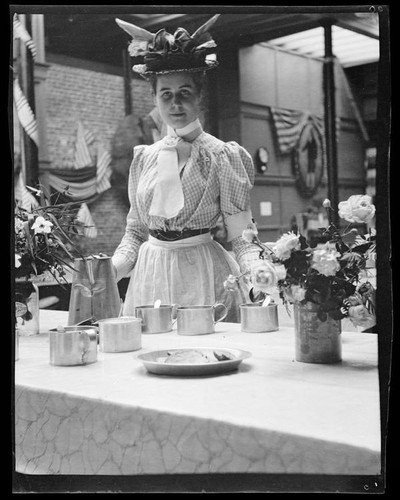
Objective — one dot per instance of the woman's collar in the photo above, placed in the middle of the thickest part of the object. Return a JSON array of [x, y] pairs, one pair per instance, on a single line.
[[193, 129]]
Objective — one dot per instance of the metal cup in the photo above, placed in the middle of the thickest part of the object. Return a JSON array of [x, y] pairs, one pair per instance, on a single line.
[[256, 318], [120, 334], [156, 319], [73, 345], [198, 320]]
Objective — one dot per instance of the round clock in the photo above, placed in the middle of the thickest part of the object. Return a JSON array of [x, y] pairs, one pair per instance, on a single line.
[[262, 159]]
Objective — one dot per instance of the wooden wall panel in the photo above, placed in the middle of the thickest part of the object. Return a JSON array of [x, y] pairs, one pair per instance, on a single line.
[[258, 75]]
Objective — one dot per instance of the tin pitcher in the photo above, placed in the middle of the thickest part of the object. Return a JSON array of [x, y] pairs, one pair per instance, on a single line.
[[73, 345], [94, 291]]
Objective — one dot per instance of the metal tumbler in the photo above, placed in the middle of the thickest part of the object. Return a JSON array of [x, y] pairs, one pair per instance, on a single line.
[[256, 318]]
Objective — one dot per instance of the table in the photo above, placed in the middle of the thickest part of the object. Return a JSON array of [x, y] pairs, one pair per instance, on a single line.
[[274, 415]]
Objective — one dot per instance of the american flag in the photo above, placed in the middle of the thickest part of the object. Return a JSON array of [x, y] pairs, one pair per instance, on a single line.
[[82, 154], [86, 218], [21, 32], [25, 113], [103, 170], [26, 200], [290, 123], [288, 126]]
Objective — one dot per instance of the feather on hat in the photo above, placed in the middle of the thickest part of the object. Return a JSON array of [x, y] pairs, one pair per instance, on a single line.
[[163, 52]]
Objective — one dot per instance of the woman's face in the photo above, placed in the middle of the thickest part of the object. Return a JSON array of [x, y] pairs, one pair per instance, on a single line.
[[177, 99]]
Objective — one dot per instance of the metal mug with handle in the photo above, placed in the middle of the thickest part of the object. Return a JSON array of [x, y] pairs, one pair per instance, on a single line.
[[73, 345], [156, 319], [199, 320]]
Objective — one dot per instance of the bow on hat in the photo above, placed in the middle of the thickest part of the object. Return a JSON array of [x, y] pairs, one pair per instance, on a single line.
[[164, 52]]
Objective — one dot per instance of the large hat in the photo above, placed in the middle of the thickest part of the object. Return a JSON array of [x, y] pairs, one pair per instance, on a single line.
[[162, 53]]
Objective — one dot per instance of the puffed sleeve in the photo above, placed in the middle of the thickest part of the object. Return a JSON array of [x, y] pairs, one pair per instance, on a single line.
[[236, 177], [125, 255]]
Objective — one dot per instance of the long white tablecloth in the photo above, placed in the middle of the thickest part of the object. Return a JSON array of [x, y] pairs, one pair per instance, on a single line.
[[273, 415]]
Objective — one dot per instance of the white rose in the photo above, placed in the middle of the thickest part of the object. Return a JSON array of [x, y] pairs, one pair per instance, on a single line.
[[286, 243], [360, 316], [298, 293], [249, 235], [280, 271], [358, 208], [231, 283], [263, 276], [325, 259], [295, 293]]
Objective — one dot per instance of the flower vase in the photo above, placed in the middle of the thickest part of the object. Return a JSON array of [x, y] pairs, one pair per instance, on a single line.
[[316, 341], [26, 307]]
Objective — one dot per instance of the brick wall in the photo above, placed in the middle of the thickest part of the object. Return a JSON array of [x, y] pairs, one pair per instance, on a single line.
[[96, 99]]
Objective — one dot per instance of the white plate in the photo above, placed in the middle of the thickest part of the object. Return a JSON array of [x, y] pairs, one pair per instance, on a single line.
[[154, 361]]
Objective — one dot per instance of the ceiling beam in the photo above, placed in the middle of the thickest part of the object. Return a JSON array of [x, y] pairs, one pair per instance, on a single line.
[[364, 24]]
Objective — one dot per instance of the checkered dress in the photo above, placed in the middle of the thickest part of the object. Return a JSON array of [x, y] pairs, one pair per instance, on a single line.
[[216, 180]]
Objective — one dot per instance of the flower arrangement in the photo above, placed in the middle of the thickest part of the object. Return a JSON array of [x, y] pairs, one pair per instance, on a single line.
[[328, 274], [45, 237]]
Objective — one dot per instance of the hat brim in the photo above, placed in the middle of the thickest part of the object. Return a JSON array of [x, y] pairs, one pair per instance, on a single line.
[[143, 71]]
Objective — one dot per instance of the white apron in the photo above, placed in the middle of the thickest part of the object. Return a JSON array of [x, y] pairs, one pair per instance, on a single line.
[[190, 271]]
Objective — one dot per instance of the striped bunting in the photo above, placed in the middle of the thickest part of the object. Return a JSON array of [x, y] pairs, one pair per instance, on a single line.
[[80, 190], [86, 218], [289, 125], [103, 170], [26, 200], [21, 33], [82, 156], [25, 113]]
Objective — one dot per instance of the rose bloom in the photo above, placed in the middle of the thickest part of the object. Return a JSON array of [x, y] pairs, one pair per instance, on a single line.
[[358, 208], [42, 225], [295, 293], [298, 293], [263, 276], [286, 243], [326, 203], [354, 300], [280, 271], [360, 316], [231, 283], [325, 259], [250, 233]]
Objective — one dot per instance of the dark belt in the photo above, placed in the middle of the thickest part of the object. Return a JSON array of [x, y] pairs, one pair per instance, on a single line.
[[176, 235]]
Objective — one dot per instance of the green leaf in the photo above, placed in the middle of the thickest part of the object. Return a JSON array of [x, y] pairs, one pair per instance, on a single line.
[[350, 238], [63, 246]]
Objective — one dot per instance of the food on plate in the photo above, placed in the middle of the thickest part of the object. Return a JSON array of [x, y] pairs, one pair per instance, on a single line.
[[186, 356], [221, 356], [194, 356]]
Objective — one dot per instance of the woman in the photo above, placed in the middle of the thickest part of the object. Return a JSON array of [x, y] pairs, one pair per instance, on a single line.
[[180, 185]]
